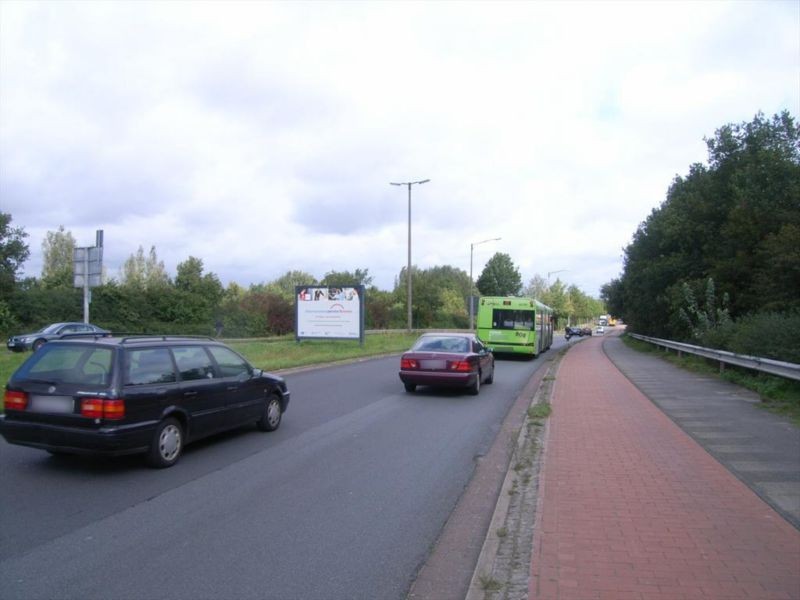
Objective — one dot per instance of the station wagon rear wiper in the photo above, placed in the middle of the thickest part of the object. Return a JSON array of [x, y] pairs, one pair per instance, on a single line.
[[45, 381]]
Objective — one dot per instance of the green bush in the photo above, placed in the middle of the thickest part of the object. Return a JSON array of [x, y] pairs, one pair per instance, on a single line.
[[766, 335]]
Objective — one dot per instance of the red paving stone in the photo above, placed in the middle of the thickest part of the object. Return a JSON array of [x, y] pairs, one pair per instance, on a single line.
[[631, 507]]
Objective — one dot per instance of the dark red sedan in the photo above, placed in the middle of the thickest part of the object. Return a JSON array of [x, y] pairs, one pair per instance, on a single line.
[[448, 360]]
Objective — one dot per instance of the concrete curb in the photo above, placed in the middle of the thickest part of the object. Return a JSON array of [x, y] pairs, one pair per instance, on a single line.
[[491, 545]]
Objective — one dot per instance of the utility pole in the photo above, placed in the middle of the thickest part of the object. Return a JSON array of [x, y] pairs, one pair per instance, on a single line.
[[408, 271]]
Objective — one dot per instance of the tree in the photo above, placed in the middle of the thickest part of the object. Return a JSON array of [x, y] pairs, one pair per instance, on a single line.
[[285, 284], [58, 248], [736, 221], [343, 278], [536, 288], [140, 272], [13, 253], [198, 295], [500, 277]]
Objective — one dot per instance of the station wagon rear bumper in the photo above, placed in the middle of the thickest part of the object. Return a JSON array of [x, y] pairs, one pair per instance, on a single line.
[[107, 441]]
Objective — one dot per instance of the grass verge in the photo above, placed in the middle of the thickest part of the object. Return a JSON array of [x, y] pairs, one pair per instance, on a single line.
[[778, 395]]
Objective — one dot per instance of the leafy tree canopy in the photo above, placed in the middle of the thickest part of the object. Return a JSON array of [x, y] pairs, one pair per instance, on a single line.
[[13, 254], [58, 248], [735, 221], [500, 277]]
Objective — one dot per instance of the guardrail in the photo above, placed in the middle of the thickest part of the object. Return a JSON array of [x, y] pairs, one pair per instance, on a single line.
[[764, 365]]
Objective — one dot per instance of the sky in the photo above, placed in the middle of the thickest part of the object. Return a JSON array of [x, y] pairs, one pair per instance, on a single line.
[[262, 137]]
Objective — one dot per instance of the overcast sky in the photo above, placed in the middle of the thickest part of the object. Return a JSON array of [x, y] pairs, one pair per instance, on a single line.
[[261, 137]]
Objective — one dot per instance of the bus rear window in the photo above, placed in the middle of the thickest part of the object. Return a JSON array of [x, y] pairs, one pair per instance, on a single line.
[[512, 319]]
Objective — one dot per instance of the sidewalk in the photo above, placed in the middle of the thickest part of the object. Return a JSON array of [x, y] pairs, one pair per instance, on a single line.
[[630, 506]]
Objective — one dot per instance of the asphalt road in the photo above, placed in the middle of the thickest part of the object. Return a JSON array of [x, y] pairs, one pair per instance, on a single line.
[[345, 500]]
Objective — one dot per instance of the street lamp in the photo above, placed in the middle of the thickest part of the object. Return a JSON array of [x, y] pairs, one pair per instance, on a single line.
[[471, 309], [554, 272], [408, 272]]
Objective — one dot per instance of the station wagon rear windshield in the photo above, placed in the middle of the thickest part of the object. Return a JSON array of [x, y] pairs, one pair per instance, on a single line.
[[72, 364]]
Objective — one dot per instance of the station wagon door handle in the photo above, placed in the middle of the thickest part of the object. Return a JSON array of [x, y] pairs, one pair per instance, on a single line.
[[191, 393], [233, 388]]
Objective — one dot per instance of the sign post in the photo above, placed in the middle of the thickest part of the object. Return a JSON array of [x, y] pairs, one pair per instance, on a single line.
[[87, 265]]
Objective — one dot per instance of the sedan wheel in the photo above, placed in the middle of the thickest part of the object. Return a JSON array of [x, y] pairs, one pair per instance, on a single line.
[[490, 378], [271, 417], [167, 444], [410, 387], [38, 344], [475, 388]]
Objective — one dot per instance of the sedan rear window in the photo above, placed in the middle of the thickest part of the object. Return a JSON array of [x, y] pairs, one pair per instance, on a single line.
[[442, 344], [57, 364]]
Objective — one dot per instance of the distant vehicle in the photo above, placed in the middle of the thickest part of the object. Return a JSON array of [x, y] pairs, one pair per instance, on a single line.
[[145, 394], [612, 321], [573, 331], [447, 360], [586, 331], [602, 320], [515, 325], [599, 330], [34, 341]]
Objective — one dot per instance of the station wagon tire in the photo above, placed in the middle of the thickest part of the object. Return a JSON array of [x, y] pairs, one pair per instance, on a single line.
[[38, 344], [167, 445], [410, 387], [271, 417], [475, 388]]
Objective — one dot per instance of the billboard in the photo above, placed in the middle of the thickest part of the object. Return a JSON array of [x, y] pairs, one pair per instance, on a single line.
[[329, 312]]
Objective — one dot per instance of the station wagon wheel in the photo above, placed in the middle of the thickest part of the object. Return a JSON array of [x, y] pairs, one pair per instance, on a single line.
[[167, 445], [410, 387], [270, 418]]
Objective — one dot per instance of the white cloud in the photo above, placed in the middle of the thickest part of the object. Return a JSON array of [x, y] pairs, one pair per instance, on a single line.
[[262, 137]]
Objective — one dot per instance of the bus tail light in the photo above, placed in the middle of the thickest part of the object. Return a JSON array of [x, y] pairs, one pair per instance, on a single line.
[[15, 400]]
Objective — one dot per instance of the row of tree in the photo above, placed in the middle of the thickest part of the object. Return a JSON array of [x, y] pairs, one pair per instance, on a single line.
[[718, 262], [146, 299]]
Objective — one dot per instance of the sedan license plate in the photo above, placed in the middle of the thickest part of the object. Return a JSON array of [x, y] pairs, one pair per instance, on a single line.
[[51, 404], [433, 364]]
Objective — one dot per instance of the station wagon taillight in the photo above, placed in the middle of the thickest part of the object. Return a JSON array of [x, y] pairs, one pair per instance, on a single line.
[[15, 400], [408, 363], [100, 408], [459, 366]]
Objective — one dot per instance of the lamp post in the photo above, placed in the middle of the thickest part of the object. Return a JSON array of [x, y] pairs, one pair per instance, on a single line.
[[408, 271], [471, 309], [554, 272]]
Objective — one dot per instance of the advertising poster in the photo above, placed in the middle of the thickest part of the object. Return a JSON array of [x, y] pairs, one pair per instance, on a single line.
[[330, 312]]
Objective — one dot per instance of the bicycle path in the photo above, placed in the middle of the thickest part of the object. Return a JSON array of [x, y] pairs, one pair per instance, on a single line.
[[632, 507]]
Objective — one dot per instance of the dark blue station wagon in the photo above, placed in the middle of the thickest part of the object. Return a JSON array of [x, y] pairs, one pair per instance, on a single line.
[[141, 394]]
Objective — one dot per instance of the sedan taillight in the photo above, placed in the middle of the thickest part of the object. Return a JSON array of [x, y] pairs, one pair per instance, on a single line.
[[15, 400], [459, 366], [100, 408], [408, 363]]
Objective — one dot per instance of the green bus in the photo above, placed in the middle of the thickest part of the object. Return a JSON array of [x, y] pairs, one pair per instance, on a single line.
[[515, 325]]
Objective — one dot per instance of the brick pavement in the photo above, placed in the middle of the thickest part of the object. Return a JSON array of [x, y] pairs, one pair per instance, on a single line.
[[631, 507]]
